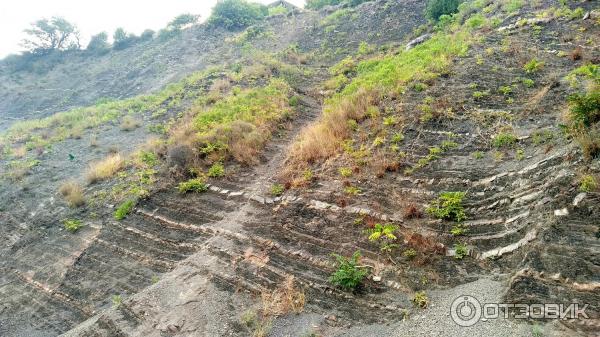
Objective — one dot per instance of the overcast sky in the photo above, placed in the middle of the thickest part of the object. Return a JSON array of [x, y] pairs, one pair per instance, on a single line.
[[94, 16]]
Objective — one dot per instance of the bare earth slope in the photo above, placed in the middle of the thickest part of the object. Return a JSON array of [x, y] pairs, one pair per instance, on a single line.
[[200, 264]]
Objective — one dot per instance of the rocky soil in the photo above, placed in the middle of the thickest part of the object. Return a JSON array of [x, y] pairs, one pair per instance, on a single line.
[[192, 265]]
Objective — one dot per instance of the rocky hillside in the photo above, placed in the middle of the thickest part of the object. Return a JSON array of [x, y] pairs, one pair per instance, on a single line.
[[432, 159]]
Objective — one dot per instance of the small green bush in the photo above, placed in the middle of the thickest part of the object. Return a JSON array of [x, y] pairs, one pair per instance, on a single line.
[[294, 101], [448, 206], [345, 172], [529, 83], [420, 299], [436, 8], [192, 185], [382, 231], [533, 66], [124, 209], [349, 274], [588, 183], [72, 225], [277, 190], [216, 170], [149, 158], [502, 140], [460, 251], [458, 230], [585, 107], [409, 253]]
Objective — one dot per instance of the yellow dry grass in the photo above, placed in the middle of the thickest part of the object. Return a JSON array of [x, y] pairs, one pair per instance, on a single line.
[[105, 169]]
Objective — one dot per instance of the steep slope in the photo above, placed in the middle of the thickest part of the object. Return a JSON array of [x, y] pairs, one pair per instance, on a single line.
[[318, 131], [52, 280]]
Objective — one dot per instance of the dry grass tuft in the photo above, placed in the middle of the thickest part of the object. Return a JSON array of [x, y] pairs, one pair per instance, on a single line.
[[285, 299], [590, 144], [72, 192], [411, 211], [19, 152], [105, 169], [129, 123], [323, 138]]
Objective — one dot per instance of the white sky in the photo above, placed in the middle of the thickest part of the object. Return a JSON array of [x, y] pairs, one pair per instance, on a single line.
[[94, 16]]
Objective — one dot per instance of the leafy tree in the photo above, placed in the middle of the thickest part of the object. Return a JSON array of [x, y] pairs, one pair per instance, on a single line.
[[436, 8], [237, 14], [99, 43], [47, 35], [146, 35], [183, 20], [122, 39]]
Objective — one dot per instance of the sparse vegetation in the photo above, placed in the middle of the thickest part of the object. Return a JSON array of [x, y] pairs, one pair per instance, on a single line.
[[349, 274], [72, 192], [460, 251], [588, 183], [124, 209], [533, 66], [504, 140], [105, 169], [420, 299], [277, 190], [448, 206], [197, 185], [73, 225], [380, 231], [216, 170]]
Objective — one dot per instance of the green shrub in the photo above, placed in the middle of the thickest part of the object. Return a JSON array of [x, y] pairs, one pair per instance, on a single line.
[[349, 274], [448, 206], [72, 225], [294, 101], [533, 66], [529, 83], [345, 172], [420, 299], [475, 21], [216, 170], [436, 8], [504, 140], [278, 10], [277, 190], [458, 230], [505, 90], [237, 14], [192, 185], [409, 253], [352, 190], [588, 183], [585, 108], [460, 251], [149, 158], [124, 209], [382, 231]]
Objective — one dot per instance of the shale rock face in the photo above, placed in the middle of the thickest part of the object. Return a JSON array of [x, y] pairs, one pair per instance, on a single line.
[[244, 256]]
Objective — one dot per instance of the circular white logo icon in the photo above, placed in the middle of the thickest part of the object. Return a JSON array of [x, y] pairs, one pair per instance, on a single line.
[[465, 310]]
